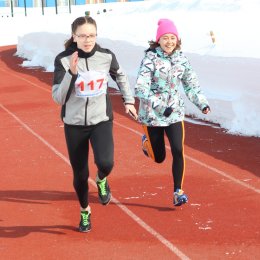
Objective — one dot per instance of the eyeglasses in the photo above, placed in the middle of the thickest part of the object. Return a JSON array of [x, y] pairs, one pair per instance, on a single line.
[[82, 37]]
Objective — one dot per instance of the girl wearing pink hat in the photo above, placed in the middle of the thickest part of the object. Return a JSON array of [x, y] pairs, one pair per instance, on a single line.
[[163, 70]]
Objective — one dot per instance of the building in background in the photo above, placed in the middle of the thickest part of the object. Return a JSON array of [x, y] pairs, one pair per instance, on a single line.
[[51, 3], [109, 1]]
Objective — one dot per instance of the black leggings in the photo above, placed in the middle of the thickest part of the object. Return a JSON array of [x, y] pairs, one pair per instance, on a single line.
[[77, 139], [175, 134]]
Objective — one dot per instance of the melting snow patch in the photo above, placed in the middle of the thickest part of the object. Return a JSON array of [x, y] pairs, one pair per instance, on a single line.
[[160, 188], [129, 198], [205, 228]]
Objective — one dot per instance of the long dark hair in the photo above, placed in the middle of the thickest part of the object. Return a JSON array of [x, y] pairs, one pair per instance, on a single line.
[[78, 22], [154, 45]]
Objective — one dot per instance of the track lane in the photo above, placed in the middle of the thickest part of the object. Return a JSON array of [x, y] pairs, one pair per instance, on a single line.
[[147, 194]]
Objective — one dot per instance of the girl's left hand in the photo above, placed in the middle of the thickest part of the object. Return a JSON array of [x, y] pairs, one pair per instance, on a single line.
[[130, 109], [206, 110]]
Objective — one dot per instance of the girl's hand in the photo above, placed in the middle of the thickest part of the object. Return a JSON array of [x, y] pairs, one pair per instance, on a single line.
[[206, 110], [130, 109], [74, 62]]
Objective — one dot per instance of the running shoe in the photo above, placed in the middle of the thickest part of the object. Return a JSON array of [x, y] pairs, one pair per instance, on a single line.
[[179, 198], [144, 139], [104, 194], [85, 224]]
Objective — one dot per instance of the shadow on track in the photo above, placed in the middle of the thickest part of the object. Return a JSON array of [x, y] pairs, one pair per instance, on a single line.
[[41, 196], [22, 231]]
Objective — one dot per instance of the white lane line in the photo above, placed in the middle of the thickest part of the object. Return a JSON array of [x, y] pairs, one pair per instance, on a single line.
[[226, 175], [35, 134], [127, 211], [26, 80], [213, 169], [150, 230]]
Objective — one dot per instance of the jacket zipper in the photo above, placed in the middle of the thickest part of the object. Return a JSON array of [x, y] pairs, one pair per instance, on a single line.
[[86, 104]]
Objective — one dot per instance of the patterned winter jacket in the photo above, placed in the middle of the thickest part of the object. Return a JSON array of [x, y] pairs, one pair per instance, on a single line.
[[158, 87]]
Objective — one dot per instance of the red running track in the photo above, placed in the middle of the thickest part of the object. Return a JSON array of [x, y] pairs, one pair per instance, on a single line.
[[40, 213]]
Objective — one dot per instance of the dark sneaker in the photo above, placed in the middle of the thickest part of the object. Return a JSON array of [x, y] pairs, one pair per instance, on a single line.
[[179, 198], [104, 194], [85, 224], [144, 139]]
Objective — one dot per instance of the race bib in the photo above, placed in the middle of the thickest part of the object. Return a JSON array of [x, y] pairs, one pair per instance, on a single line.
[[91, 84]]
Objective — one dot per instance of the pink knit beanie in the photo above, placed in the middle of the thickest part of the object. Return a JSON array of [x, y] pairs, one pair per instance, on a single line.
[[166, 26]]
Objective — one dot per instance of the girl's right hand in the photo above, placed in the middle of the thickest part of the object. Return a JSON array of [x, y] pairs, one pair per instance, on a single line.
[[74, 62], [130, 109]]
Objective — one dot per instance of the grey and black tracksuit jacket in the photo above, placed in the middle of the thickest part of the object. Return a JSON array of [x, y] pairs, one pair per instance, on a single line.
[[91, 110]]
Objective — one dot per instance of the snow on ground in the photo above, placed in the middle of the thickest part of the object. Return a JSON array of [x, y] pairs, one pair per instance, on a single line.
[[228, 69]]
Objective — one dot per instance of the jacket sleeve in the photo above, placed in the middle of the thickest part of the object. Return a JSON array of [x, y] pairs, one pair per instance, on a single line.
[[143, 88], [192, 88], [121, 79], [62, 81]]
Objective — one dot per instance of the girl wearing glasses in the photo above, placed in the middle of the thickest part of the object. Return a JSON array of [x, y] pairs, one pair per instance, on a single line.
[[80, 86], [163, 70]]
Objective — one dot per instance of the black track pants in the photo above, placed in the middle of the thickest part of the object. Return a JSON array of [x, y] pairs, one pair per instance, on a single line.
[[175, 134], [78, 138]]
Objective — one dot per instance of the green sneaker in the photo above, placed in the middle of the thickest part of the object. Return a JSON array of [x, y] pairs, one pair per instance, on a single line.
[[104, 194], [85, 223]]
